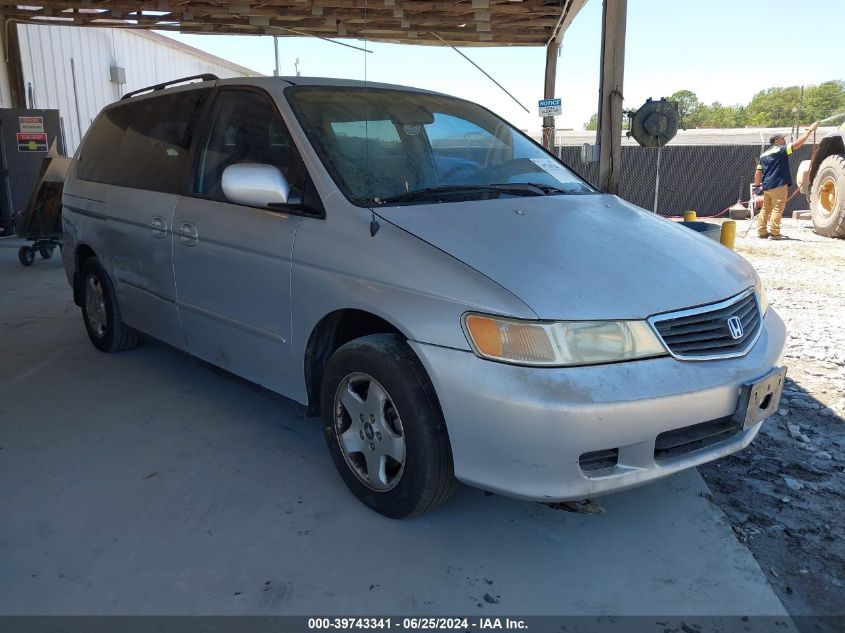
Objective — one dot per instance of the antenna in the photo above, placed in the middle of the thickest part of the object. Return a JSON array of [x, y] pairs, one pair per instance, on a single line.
[[374, 223]]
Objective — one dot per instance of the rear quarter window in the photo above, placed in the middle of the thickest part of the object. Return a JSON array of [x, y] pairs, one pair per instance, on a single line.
[[143, 144]]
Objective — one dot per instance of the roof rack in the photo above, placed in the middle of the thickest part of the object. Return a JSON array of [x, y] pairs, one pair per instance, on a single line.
[[204, 77]]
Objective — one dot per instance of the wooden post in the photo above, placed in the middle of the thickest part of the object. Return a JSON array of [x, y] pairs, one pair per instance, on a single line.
[[609, 132], [13, 66], [549, 93]]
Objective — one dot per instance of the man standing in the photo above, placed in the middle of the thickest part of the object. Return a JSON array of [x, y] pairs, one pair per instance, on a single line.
[[774, 176]]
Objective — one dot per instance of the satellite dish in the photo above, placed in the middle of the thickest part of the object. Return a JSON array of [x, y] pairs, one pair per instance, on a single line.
[[655, 123]]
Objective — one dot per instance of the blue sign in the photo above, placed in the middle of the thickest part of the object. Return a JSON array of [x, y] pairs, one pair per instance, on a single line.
[[550, 107]]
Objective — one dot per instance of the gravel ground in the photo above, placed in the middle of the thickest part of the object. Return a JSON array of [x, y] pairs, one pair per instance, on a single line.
[[785, 494]]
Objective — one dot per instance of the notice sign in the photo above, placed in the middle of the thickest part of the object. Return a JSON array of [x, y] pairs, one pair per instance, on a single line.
[[31, 124], [553, 168], [32, 142], [550, 107]]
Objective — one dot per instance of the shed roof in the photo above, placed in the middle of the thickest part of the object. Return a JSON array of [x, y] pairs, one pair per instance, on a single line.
[[458, 22]]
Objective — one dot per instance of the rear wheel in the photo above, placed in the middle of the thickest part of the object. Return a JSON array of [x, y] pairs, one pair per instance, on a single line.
[[827, 200], [101, 312], [384, 427], [26, 256], [46, 252]]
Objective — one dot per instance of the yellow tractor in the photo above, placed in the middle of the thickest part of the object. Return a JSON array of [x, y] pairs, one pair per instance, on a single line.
[[823, 182]]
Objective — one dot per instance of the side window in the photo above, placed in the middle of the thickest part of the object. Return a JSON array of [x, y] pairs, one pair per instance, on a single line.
[[246, 128], [143, 144]]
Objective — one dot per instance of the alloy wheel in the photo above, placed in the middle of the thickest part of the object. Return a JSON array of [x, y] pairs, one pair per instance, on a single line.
[[369, 431], [95, 306]]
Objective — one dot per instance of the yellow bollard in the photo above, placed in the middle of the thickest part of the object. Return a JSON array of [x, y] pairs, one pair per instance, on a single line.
[[728, 234], [690, 216]]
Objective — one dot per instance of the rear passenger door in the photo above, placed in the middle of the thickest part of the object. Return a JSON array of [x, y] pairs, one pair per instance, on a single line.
[[232, 261], [136, 163]]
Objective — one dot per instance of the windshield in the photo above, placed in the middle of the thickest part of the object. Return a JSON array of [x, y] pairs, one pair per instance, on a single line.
[[391, 146]]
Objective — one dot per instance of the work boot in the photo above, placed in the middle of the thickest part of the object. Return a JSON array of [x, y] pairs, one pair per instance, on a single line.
[[779, 236], [762, 236]]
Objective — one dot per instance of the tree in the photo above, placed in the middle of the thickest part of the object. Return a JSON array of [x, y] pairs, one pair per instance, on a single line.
[[687, 102], [775, 107], [822, 101]]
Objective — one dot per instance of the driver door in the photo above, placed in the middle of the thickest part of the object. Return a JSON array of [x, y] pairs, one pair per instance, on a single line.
[[232, 262]]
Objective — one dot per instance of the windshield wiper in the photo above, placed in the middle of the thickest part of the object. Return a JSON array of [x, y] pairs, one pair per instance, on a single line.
[[550, 190], [517, 189]]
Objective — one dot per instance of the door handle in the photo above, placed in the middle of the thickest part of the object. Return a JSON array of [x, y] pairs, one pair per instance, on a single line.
[[187, 234], [158, 228]]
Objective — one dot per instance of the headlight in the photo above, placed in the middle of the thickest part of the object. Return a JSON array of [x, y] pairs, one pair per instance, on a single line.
[[762, 299], [561, 343]]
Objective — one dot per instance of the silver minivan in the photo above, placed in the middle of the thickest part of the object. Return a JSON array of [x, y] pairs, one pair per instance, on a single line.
[[454, 302]]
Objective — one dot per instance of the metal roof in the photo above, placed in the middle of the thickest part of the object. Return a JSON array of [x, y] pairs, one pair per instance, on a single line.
[[460, 22]]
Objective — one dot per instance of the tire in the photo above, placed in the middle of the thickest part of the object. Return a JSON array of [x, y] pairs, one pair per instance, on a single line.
[[827, 199], [46, 252], [101, 312], [26, 256], [409, 417]]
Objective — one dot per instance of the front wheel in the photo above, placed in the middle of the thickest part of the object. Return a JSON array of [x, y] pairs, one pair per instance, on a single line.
[[101, 312], [384, 427], [46, 252], [827, 199]]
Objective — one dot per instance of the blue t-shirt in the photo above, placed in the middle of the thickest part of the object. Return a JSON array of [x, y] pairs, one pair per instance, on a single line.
[[775, 165]]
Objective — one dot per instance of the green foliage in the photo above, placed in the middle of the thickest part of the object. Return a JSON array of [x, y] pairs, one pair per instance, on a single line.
[[823, 100], [687, 102], [773, 107]]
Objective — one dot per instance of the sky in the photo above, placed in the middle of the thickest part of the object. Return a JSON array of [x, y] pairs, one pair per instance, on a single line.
[[722, 50]]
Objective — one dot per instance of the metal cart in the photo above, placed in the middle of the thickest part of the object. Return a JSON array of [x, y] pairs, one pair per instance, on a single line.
[[41, 223]]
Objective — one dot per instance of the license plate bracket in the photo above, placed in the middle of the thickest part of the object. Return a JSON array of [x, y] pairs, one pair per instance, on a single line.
[[760, 399]]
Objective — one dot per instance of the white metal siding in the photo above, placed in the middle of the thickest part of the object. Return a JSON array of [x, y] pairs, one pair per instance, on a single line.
[[47, 51]]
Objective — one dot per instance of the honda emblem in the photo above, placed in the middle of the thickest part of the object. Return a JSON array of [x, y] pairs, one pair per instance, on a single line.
[[735, 327]]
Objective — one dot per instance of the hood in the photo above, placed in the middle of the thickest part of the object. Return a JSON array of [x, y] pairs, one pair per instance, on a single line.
[[580, 257]]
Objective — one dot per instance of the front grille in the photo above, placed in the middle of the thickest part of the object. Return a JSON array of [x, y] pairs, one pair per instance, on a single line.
[[691, 438], [704, 333]]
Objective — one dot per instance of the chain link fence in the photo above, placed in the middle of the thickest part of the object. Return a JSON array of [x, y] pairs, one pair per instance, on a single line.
[[702, 178]]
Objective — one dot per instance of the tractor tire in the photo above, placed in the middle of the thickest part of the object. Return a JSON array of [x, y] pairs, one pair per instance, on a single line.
[[827, 197]]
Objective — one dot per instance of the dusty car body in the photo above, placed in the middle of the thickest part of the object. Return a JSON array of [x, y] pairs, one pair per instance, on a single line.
[[450, 299]]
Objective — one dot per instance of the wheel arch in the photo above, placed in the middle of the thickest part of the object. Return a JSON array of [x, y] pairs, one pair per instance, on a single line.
[[331, 332], [828, 146]]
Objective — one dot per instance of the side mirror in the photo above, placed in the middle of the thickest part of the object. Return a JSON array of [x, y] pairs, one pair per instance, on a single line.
[[255, 185]]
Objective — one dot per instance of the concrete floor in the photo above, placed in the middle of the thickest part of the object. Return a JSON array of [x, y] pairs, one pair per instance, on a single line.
[[146, 483]]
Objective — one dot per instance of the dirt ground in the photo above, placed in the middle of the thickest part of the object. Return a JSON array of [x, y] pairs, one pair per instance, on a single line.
[[785, 494]]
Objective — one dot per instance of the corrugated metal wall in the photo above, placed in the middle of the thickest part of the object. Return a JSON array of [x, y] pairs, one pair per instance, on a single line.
[[68, 66]]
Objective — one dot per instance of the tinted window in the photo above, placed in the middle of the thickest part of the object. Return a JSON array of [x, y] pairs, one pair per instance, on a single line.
[[246, 128], [143, 144]]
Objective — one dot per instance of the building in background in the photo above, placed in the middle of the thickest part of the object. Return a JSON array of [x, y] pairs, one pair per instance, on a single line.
[[78, 70]]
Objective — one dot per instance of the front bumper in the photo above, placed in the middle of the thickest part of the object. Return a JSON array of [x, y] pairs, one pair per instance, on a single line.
[[520, 431]]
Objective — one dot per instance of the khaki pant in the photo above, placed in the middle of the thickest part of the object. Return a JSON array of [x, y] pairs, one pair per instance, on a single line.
[[774, 202]]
